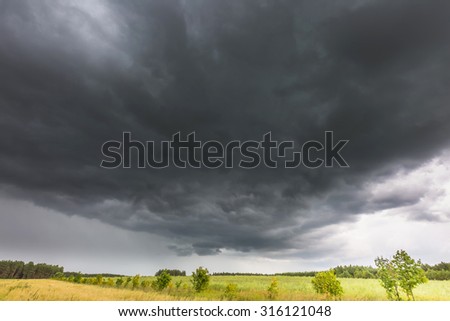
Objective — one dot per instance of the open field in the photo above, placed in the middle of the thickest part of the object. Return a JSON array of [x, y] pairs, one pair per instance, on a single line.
[[249, 288], [52, 290]]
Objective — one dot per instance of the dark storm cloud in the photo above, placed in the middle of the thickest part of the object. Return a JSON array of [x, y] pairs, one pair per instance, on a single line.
[[76, 75]]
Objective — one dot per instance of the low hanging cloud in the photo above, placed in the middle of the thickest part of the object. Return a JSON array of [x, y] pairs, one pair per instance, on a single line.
[[76, 74]]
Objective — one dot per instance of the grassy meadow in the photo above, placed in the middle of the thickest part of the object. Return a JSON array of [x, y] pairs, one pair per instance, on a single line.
[[248, 288]]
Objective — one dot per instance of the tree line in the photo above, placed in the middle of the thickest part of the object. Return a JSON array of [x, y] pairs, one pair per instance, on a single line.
[[440, 271], [173, 272], [22, 270], [239, 274], [91, 275]]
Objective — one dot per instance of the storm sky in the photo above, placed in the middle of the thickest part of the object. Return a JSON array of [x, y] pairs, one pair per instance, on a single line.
[[75, 74]]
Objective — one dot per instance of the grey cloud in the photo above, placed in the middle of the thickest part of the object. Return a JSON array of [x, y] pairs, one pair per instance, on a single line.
[[390, 34], [74, 77]]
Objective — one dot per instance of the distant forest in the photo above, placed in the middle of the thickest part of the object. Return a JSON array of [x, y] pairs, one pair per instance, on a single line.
[[440, 271], [90, 275], [21, 270], [173, 272]]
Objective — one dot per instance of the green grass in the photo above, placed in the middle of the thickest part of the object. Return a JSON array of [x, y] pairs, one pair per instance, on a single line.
[[251, 288], [292, 288]]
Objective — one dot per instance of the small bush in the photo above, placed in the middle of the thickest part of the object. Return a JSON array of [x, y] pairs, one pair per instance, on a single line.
[[77, 278], [200, 279], [135, 281], [272, 290], [178, 284], [127, 281], [145, 284], [327, 283], [162, 281], [119, 282], [98, 280], [231, 292]]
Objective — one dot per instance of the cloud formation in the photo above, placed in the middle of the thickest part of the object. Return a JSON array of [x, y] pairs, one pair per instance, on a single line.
[[76, 74]]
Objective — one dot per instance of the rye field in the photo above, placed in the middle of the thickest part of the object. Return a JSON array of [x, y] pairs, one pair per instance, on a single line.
[[251, 288]]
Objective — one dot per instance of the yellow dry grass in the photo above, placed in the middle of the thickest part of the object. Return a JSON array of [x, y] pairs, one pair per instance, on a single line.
[[52, 290]]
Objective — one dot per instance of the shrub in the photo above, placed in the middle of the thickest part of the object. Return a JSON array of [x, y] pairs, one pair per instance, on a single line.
[[98, 280], [145, 284], [119, 282], [77, 277], [272, 290], [162, 281], [127, 281], [178, 284], [327, 283], [200, 279], [135, 281], [231, 291]]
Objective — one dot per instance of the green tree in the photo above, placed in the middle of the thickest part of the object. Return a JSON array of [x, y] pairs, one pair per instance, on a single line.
[[409, 271], [346, 274], [173, 272], [162, 281], [327, 283], [401, 272], [20, 270], [200, 279], [388, 278]]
